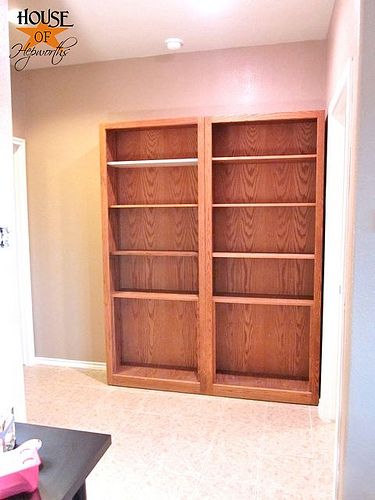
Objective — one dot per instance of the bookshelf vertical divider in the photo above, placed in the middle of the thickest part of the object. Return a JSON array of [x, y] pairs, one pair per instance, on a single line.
[[212, 254]]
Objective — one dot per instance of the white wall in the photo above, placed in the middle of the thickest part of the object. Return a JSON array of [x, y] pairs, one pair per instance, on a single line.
[[11, 372], [358, 453]]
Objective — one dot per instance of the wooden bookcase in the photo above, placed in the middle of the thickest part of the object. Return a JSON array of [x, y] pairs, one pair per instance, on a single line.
[[153, 241], [264, 198], [213, 254]]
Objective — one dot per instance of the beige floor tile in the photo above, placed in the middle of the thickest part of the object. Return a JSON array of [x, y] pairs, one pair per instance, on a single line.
[[111, 480], [324, 475], [293, 416], [286, 477], [236, 462], [121, 402], [176, 446], [222, 489], [286, 440], [164, 484], [323, 439], [241, 435], [284, 494], [244, 412]]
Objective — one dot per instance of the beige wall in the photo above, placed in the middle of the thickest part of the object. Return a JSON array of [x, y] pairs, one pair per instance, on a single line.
[[343, 42], [352, 35], [11, 370], [60, 119]]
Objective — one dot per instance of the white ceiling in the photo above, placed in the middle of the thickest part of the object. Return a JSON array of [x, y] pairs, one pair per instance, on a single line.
[[120, 29]]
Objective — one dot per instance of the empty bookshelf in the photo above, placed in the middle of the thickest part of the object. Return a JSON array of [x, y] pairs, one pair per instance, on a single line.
[[151, 222], [212, 232]]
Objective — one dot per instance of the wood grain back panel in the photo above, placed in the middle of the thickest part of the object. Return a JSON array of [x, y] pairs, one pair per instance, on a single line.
[[266, 229], [264, 182], [264, 138], [272, 341], [110, 146], [172, 274], [156, 185], [158, 229], [277, 277], [157, 333], [156, 143], [113, 229]]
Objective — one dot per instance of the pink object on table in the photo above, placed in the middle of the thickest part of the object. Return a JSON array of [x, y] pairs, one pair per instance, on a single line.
[[19, 470]]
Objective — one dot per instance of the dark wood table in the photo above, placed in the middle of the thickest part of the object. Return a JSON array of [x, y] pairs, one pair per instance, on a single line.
[[67, 457]]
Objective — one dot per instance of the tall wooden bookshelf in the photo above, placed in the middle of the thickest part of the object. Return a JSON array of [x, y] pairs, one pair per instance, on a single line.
[[213, 254], [153, 240], [264, 197]]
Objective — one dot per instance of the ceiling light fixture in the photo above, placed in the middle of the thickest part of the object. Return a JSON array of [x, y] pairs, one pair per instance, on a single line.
[[174, 43]]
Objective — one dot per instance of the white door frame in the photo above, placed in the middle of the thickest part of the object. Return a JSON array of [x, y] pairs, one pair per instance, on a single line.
[[334, 326], [23, 251], [332, 347]]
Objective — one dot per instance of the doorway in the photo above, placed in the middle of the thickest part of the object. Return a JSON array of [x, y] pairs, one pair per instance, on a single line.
[[336, 229], [23, 251]]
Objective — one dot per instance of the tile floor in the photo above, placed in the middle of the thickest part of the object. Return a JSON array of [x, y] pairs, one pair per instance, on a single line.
[[180, 446]]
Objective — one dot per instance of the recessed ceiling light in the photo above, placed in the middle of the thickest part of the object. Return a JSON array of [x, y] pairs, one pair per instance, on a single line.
[[13, 16], [174, 43]]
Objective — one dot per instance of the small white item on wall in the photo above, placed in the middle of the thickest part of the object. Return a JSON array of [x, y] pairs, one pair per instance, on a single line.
[[4, 237], [7, 430]]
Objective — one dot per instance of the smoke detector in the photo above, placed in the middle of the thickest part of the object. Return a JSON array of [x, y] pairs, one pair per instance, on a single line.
[[174, 43]]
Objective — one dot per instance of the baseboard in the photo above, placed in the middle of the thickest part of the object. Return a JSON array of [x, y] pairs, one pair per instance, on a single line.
[[325, 412], [69, 363]]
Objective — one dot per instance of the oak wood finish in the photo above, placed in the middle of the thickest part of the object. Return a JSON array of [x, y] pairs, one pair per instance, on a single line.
[[157, 229], [273, 137], [238, 298], [160, 205], [155, 253], [150, 225], [264, 229], [264, 255], [256, 205], [258, 381], [157, 273], [159, 373], [157, 378], [107, 197], [156, 186], [239, 386], [263, 340], [315, 326], [262, 183], [265, 197], [207, 346], [145, 327], [264, 277], [147, 295], [262, 159], [205, 369], [212, 233], [156, 143]]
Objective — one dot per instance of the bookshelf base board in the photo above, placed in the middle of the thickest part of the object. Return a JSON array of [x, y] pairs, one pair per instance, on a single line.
[[264, 389], [155, 378]]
